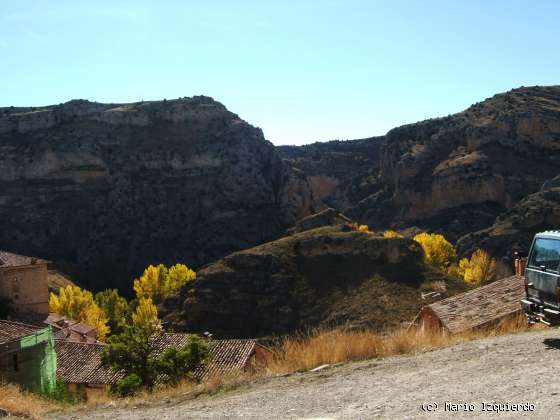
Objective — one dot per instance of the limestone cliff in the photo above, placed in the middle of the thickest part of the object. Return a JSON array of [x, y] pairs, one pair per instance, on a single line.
[[110, 188]]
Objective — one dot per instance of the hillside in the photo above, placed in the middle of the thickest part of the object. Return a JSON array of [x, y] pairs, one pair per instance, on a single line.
[[460, 174], [111, 188], [324, 277]]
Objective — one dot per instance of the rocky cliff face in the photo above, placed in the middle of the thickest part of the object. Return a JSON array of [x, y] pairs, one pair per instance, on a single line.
[[327, 276], [458, 174], [340, 173], [111, 188], [481, 161]]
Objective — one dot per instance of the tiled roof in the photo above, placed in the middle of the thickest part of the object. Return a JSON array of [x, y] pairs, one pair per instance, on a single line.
[[81, 362], [8, 259], [480, 306], [225, 355], [12, 331]]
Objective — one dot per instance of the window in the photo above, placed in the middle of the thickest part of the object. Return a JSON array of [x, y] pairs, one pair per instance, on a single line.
[[15, 362], [546, 253]]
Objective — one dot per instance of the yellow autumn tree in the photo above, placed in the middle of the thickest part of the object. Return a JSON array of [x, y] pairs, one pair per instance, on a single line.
[[157, 283], [392, 234], [152, 283], [438, 251], [479, 269], [177, 277], [78, 304], [146, 316]]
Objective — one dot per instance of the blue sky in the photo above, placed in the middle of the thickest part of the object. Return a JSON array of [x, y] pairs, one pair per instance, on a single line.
[[303, 71]]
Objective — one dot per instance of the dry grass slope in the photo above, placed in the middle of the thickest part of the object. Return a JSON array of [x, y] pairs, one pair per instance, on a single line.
[[24, 404], [339, 346]]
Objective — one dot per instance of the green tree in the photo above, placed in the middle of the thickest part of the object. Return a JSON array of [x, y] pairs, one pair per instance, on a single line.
[[115, 307], [178, 363], [134, 352]]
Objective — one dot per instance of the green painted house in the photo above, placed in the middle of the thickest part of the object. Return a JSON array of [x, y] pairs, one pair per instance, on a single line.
[[27, 356]]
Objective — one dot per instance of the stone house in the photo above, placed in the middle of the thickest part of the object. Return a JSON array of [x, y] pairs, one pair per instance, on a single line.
[[24, 282], [81, 369], [479, 308], [27, 356]]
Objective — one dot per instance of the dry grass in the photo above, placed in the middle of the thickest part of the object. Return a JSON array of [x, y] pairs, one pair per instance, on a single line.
[[338, 346], [185, 390], [24, 404]]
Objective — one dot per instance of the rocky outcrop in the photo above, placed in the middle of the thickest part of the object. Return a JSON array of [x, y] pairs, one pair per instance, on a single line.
[[327, 217], [324, 277], [110, 188], [514, 230]]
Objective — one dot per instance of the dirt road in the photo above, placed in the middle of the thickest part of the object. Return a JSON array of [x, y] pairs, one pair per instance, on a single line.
[[516, 369]]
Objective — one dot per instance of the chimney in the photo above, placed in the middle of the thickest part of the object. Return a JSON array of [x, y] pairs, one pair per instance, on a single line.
[[520, 264]]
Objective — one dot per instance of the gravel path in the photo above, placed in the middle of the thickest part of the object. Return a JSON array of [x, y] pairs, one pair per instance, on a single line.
[[521, 368]]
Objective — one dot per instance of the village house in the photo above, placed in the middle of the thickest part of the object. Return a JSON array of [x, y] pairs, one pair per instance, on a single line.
[[27, 356], [24, 282], [479, 308], [81, 369]]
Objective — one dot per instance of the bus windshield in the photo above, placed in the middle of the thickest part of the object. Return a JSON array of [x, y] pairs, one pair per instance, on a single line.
[[546, 253]]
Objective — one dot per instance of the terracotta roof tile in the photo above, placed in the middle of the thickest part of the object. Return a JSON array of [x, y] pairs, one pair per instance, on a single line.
[[81, 363], [12, 331], [480, 306]]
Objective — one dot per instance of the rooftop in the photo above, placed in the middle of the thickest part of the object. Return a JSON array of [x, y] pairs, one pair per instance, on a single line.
[[11, 331], [480, 306], [81, 362], [8, 259]]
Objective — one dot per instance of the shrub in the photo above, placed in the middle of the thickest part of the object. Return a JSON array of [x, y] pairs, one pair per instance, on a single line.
[[363, 228], [128, 385], [61, 394], [392, 234], [438, 251]]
